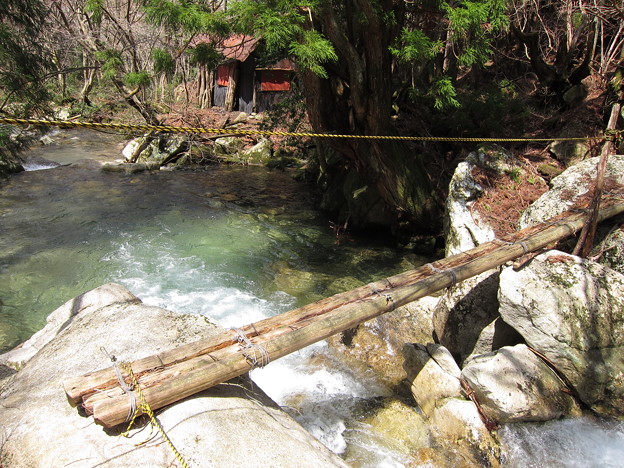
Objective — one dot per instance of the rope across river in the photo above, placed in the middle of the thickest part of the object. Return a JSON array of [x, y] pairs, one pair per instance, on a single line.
[[608, 135]]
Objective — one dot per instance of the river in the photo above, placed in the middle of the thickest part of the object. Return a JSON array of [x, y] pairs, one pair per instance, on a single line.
[[236, 244]]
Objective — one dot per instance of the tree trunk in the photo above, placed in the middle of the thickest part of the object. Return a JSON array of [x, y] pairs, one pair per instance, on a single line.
[[357, 99], [204, 94], [230, 96], [142, 107]]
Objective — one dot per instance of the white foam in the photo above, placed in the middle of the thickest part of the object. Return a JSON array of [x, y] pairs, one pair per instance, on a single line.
[[38, 167], [573, 443]]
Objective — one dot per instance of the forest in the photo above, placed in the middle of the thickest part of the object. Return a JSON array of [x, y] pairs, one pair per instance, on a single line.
[[482, 68]]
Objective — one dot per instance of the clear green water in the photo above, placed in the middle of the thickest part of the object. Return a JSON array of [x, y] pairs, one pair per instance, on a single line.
[[234, 243]]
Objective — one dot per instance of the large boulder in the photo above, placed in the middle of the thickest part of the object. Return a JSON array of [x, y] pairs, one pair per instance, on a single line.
[[464, 311], [464, 229], [513, 385], [571, 152], [227, 425], [58, 320], [493, 158], [572, 311], [613, 250], [432, 373], [567, 188]]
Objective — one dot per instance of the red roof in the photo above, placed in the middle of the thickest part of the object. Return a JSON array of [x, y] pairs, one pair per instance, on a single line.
[[237, 47]]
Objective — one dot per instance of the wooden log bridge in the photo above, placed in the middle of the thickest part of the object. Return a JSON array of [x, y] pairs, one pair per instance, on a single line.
[[181, 372]]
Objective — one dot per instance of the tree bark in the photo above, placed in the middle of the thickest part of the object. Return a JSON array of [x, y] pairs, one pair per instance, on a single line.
[[356, 99]]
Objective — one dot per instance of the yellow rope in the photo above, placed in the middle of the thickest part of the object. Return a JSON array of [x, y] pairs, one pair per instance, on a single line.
[[143, 407], [198, 130]]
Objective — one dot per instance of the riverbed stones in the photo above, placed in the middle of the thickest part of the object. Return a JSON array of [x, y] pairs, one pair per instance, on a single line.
[[10, 164], [572, 311], [568, 187], [260, 153], [432, 373], [230, 424], [160, 149], [512, 384]]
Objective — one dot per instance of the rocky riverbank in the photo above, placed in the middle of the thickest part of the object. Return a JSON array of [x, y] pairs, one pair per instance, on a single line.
[[230, 424], [534, 344], [538, 343]]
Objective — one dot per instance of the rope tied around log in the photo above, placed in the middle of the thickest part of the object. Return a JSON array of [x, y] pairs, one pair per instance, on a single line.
[[451, 271], [144, 408], [256, 354]]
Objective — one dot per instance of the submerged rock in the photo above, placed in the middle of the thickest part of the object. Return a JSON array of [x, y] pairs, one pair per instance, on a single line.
[[458, 428], [572, 311], [222, 426], [513, 384]]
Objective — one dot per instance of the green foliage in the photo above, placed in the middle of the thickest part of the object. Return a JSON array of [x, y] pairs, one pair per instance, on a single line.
[[444, 94], [473, 24], [189, 16], [281, 24], [487, 111], [205, 54], [163, 62], [96, 9], [312, 50], [137, 79], [22, 57], [415, 45], [23, 62], [111, 62]]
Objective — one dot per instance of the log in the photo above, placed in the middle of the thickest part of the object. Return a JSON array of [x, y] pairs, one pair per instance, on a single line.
[[170, 376]]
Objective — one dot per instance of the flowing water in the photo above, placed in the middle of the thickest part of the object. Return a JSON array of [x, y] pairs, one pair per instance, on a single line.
[[236, 244]]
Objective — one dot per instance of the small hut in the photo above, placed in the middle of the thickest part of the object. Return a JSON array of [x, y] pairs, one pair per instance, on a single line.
[[235, 80], [239, 85]]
